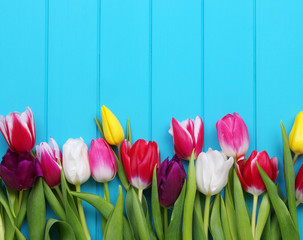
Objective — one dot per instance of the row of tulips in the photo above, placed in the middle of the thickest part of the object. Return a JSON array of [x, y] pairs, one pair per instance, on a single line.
[[194, 199]]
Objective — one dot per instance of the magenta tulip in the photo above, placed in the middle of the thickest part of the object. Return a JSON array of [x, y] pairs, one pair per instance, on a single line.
[[170, 179], [19, 170], [249, 175], [49, 155], [139, 161], [18, 129], [233, 135], [187, 136], [102, 161]]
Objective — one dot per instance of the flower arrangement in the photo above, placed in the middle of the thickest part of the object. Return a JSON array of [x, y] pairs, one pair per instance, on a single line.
[[206, 202]]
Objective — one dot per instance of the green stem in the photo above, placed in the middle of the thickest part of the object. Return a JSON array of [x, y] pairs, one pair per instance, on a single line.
[[295, 158], [206, 215], [81, 214], [254, 213], [106, 192], [140, 192], [58, 191], [165, 220], [119, 152], [20, 199], [33, 153], [298, 203]]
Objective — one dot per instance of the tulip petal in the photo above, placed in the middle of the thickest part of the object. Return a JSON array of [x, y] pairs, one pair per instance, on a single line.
[[199, 135]]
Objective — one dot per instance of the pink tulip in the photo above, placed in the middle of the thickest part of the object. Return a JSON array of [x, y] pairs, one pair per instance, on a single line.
[[249, 175], [102, 161], [187, 136], [233, 135], [49, 155], [139, 161], [299, 185], [18, 129]]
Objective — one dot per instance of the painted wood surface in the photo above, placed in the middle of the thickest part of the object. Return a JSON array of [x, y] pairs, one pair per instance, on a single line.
[[150, 61]]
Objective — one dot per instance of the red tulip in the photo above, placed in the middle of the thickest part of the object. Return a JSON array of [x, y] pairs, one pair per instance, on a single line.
[[249, 175], [102, 161], [48, 155], [139, 161], [233, 135], [187, 136], [18, 130], [299, 185]]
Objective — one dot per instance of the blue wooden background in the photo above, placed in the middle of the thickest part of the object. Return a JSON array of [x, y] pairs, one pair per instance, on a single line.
[[150, 61]]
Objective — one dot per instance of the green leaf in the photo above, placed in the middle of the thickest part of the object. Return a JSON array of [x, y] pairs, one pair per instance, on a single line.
[[230, 209], [65, 230], [114, 226], [121, 173], [100, 127], [289, 177], [54, 202], [72, 216], [275, 228], [9, 231], [22, 210], [105, 208], [128, 133], [189, 199], [156, 212], [198, 225], [266, 235], [148, 220], [13, 197], [215, 225], [242, 217], [263, 214], [36, 211], [130, 213], [287, 226], [224, 220], [174, 230]]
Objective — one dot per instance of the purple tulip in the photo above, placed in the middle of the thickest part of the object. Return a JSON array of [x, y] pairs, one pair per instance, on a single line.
[[19, 170], [170, 178]]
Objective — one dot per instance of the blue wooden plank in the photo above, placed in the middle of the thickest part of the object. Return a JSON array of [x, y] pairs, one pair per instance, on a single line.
[[22, 65], [279, 75], [73, 78], [124, 68], [176, 66]]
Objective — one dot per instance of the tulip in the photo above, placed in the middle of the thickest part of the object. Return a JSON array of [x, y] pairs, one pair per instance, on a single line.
[[139, 161], [102, 161], [113, 131], [233, 135], [75, 161], [170, 179], [212, 170], [299, 185], [296, 136], [249, 174], [19, 170], [187, 136], [49, 156], [18, 129]]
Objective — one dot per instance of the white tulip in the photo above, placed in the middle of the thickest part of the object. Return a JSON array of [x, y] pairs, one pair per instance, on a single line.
[[212, 170], [75, 161]]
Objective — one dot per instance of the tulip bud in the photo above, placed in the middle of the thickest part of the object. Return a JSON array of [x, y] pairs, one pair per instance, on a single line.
[[139, 161], [113, 131], [49, 155], [299, 185], [212, 170], [75, 161], [233, 135], [296, 135], [102, 161], [19, 170], [170, 179], [249, 175], [18, 129], [187, 136]]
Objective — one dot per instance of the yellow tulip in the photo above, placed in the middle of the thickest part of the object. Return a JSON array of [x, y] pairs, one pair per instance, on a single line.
[[296, 135], [113, 131]]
